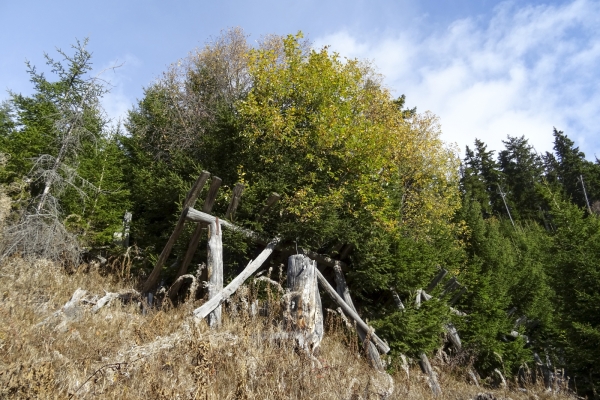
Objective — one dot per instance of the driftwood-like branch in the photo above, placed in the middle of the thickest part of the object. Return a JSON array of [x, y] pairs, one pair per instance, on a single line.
[[351, 313], [224, 294], [271, 282], [397, 299], [235, 201], [433, 381], [215, 269], [344, 292], [273, 198]]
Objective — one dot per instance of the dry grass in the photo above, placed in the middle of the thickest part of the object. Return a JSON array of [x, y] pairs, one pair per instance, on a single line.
[[120, 353]]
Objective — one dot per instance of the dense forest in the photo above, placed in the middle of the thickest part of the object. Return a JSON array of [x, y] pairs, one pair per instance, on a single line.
[[355, 168]]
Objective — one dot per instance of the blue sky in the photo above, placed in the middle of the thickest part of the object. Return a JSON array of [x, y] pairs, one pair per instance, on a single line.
[[487, 68]]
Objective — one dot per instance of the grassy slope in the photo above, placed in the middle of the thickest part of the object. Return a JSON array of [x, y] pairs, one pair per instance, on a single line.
[[120, 353]]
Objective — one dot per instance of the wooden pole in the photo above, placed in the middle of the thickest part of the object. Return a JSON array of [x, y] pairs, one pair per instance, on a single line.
[[273, 198], [381, 345], [195, 239], [189, 201], [219, 298], [438, 278], [306, 313], [587, 202], [235, 201], [433, 382], [215, 269], [370, 349]]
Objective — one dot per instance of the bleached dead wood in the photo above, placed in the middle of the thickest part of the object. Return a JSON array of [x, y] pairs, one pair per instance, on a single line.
[[273, 198], [215, 269], [370, 349], [70, 309], [397, 299], [453, 336], [432, 376], [219, 298], [125, 295], [304, 304], [502, 380], [418, 298], [271, 282], [108, 297], [381, 345]]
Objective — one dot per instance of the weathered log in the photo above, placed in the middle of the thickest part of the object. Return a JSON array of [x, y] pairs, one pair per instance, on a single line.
[[190, 200], [451, 285], [502, 380], [436, 280], [195, 239], [433, 381], [425, 296], [397, 299], [473, 376], [271, 282], [155, 274], [381, 345], [177, 284], [235, 201], [273, 198], [126, 226], [453, 336], [306, 314], [199, 216], [457, 296], [215, 269], [224, 294], [370, 349], [418, 298], [215, 184]]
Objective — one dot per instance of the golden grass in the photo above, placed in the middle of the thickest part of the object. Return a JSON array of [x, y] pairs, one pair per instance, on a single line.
[[120, 353]]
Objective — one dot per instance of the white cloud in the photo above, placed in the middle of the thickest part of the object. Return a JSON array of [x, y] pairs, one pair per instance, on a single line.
[[520, 72], [116, 103]]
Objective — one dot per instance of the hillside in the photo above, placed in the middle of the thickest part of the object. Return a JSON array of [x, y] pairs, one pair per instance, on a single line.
[[49, 350]]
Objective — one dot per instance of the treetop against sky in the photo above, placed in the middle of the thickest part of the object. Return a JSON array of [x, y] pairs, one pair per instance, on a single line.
[[487, 68]]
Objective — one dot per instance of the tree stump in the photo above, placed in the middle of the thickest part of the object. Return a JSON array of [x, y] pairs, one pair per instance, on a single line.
[[305, 313]]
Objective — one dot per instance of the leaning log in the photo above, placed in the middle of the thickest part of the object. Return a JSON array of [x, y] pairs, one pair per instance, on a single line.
[[432, 376], [370, 349], [219, 298], [189, 201], [304, 304], [381, 345]]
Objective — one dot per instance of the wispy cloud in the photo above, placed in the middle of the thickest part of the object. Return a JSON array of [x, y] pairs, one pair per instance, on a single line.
[[519, 72], [118, 74]]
